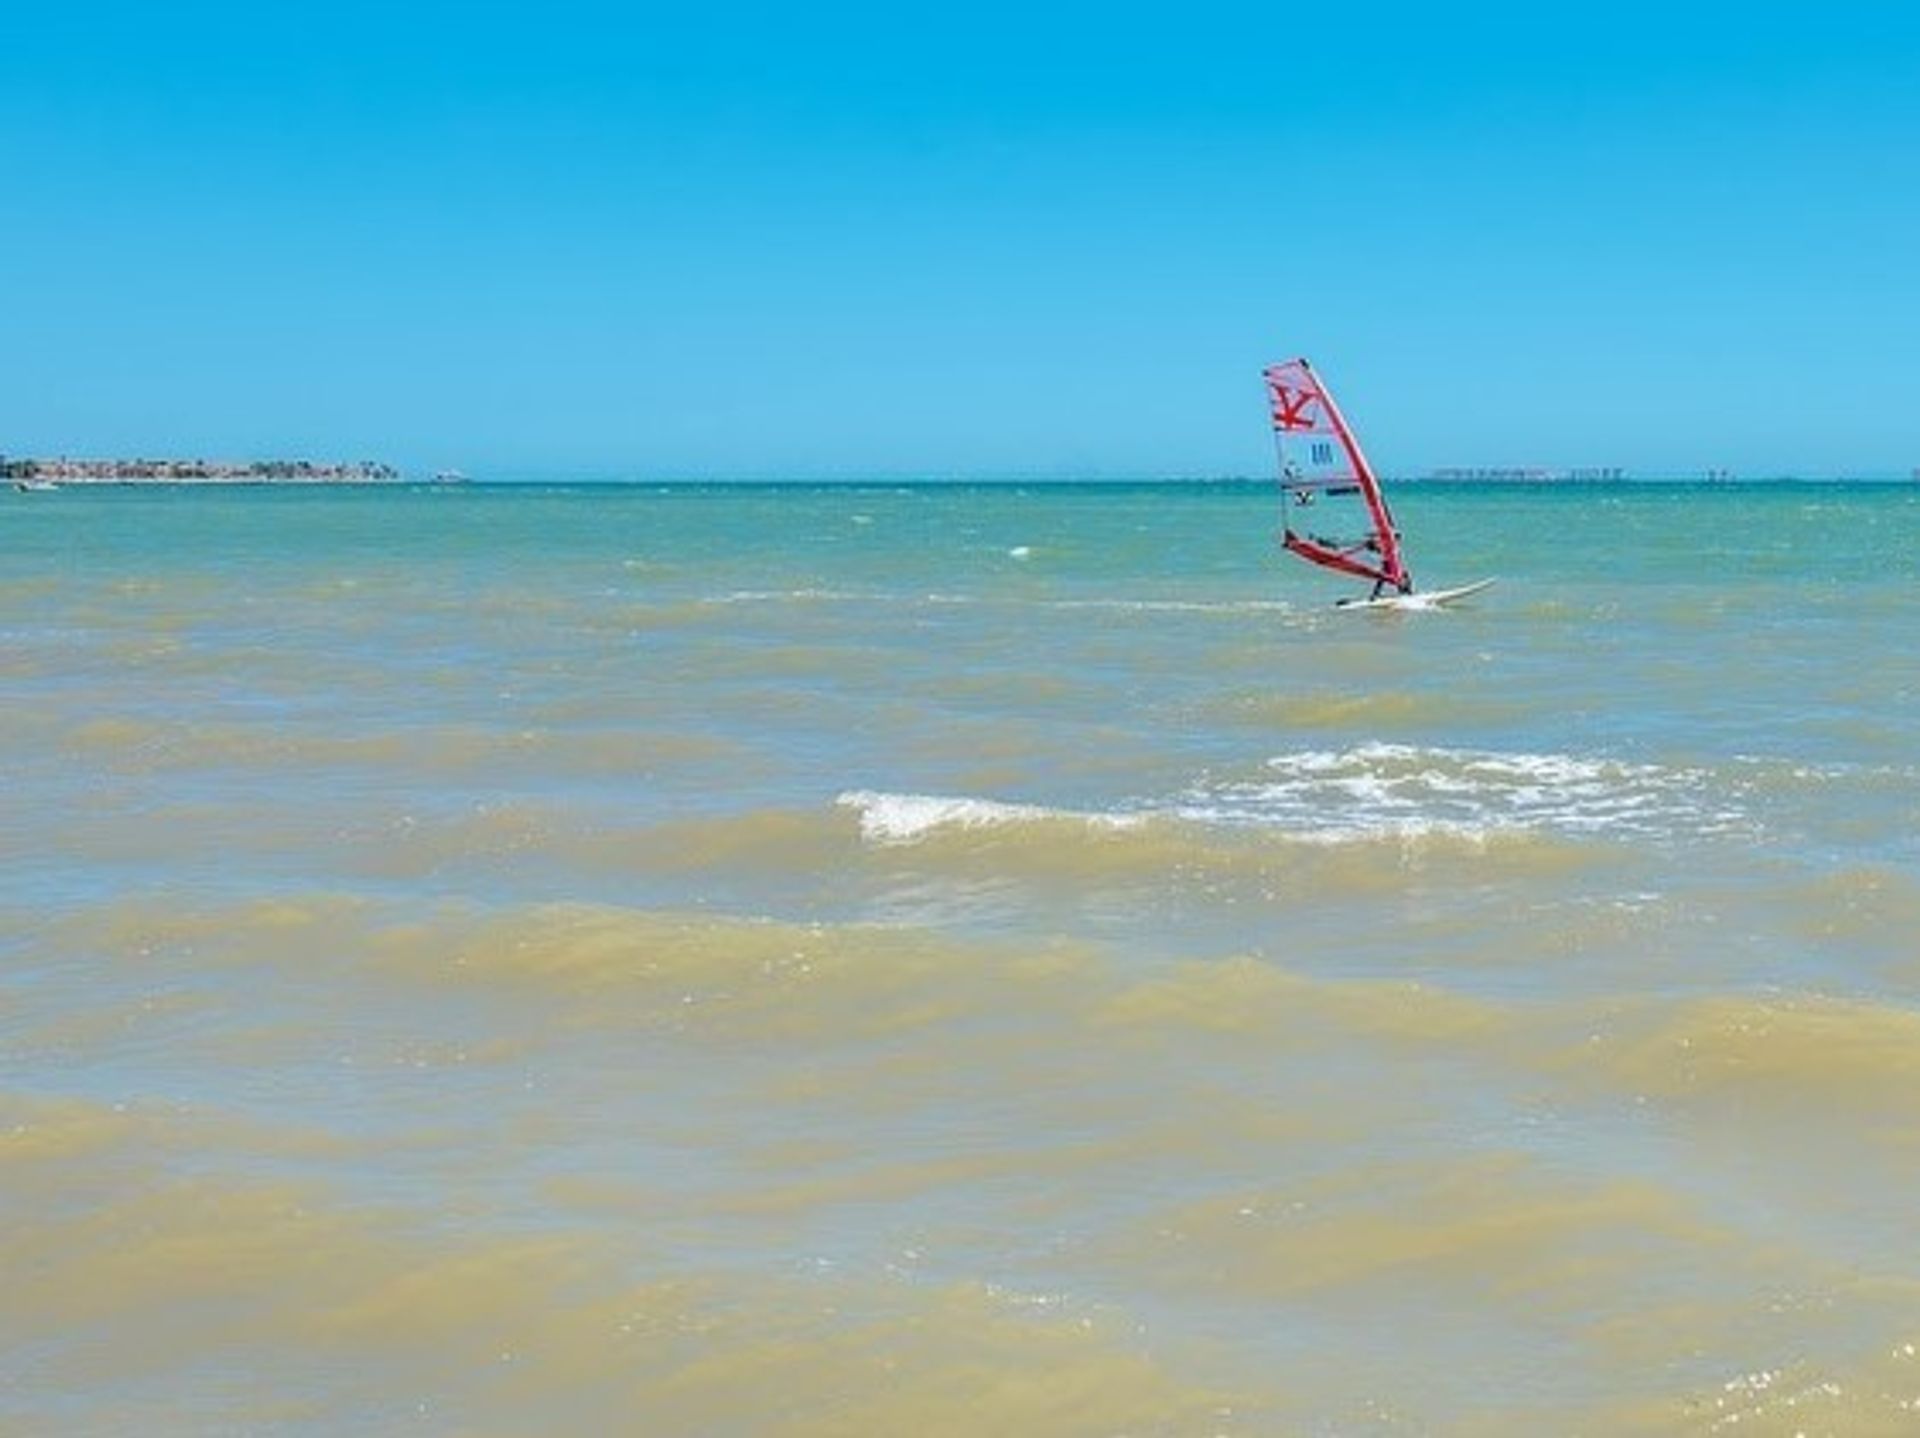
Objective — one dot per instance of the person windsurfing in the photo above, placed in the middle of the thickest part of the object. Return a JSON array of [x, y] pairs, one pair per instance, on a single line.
[[1319, 457]]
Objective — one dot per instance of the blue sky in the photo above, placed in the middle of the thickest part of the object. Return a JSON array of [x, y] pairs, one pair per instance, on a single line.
[[581, 240]]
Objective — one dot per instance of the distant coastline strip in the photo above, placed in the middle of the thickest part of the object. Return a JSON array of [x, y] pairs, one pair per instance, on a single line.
[[195, 471]]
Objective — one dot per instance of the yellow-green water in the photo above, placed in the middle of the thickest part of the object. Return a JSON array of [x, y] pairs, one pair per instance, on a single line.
[[860, 961]]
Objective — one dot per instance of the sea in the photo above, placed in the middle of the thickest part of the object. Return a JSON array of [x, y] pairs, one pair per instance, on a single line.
[[939, 959]]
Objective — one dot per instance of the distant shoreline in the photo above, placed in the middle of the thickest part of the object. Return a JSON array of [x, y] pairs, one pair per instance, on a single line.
[[64, 471], [15, 474]]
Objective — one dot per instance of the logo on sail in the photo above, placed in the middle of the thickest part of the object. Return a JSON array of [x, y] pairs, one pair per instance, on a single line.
[[1290, 407]]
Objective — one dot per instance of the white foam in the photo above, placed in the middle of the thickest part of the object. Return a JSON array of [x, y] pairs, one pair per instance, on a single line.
[[1382, 789], [788, 596], [908, 818]]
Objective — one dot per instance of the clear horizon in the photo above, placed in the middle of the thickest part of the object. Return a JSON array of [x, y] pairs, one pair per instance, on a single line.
[[584, 241]]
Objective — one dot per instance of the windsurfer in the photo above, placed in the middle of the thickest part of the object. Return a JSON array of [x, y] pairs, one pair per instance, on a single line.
[[1320, 460]]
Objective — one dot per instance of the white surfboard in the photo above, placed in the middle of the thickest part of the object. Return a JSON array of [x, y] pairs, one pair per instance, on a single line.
[[1430, 599]]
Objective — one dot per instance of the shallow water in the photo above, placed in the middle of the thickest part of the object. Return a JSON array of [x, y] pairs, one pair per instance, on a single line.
[[957, 960]]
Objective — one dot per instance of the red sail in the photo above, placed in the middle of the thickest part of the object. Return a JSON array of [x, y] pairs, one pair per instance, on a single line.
[[1321, 465]]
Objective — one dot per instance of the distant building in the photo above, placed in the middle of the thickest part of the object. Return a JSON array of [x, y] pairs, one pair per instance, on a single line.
[[1492, 473], [1529, 474]]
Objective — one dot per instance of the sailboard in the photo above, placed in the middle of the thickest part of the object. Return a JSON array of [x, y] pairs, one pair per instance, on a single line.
[[1332, 509]]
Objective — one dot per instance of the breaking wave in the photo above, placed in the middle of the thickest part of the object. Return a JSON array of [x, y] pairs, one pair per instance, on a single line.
[[1374, 791], [907, 818]]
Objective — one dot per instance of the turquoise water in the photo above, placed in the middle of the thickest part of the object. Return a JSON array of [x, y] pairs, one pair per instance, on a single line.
[[958, 958]]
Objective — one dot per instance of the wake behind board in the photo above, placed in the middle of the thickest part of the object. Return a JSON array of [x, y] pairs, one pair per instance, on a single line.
[[1430, 599]]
